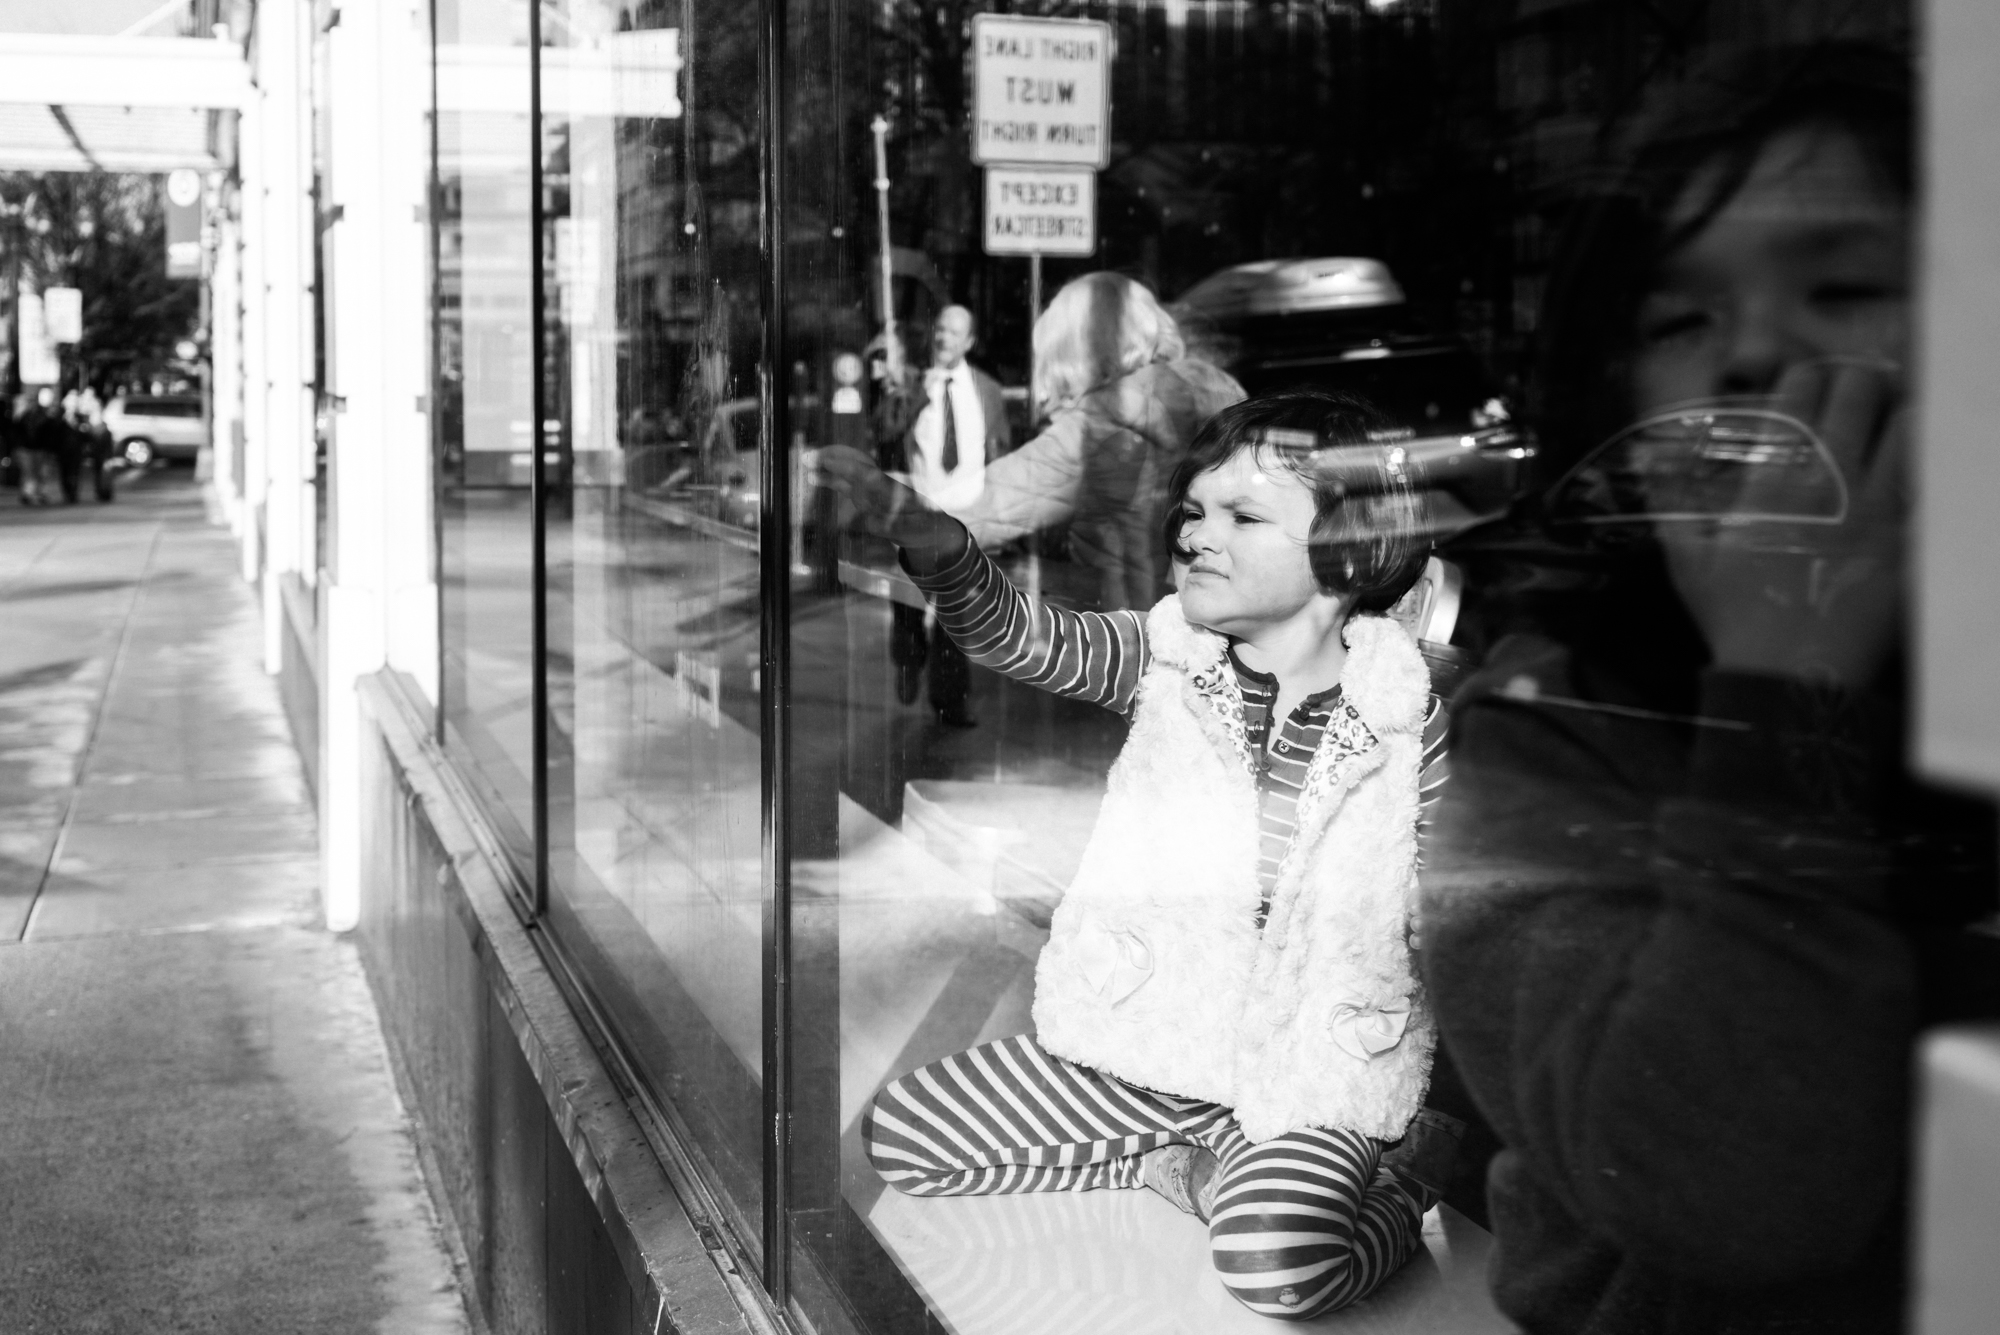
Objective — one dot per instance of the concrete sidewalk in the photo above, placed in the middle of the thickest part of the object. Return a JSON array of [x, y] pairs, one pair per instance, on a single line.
[[198, 1126]]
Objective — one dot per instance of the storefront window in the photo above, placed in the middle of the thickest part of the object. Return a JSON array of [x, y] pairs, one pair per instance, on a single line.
[[1612, 306], [940, 808], [649, 244], [485, 404], [1504, 232]]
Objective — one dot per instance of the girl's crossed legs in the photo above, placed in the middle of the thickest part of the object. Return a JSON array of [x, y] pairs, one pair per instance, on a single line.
[[1303, 1223]]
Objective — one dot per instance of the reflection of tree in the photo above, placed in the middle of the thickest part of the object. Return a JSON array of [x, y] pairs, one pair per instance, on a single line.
[[1238, 133], [925, 85], [105, 234], [718, 242], [683, 220]]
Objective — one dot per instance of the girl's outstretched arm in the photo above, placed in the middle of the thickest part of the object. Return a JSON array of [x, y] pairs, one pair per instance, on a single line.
[[1091, 656]]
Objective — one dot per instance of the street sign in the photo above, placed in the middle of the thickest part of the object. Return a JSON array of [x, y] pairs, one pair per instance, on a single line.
[[184, 223], [62, 314], [1041, 211], [38, 363], [1041, 91]]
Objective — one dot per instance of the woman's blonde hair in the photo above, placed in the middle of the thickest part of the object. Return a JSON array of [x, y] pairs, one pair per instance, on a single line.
[[1099, 327]]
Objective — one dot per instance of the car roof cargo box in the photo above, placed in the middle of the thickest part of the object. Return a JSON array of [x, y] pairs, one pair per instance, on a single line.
[[1293, 287]]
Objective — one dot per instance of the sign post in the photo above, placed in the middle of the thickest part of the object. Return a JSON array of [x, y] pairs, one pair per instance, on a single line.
[[879, 127], [1034, 302], [1041, 126]]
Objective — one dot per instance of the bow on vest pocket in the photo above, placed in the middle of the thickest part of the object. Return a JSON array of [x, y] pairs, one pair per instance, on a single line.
[[1113, 962], [1365, 1032]]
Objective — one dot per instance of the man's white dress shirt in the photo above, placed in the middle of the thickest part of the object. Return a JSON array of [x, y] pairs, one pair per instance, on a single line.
[[955, 490]]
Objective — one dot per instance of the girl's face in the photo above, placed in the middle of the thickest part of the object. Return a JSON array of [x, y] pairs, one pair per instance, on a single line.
[[1249, 528], [1808, 261]]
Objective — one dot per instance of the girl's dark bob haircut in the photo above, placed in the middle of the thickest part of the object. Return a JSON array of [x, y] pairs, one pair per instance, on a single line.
[[1369, 538]]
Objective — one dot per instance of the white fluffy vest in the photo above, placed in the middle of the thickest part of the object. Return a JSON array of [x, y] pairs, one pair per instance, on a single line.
[[1156, 971]]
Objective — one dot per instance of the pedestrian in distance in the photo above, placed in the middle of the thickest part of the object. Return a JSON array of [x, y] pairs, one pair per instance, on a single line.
[[42, 437], [942, 430], [71, 457], [87, 416]]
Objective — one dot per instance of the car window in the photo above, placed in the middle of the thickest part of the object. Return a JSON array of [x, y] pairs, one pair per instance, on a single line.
[[1430, 387], [163, 407]]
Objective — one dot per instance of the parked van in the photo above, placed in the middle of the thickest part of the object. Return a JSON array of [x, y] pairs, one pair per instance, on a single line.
[[145, 427]]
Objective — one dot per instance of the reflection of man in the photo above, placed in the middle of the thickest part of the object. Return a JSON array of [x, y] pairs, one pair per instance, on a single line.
[[942, 432]]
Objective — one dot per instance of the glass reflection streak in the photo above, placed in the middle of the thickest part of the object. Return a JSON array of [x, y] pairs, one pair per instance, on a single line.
[[485, 378], [656, 800]]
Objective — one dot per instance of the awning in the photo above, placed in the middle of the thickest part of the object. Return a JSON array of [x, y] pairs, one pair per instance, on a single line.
[[113, 139], [120, 104]]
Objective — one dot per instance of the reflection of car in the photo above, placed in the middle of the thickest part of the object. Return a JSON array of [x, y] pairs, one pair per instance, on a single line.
[[1341, 324], [145, 427], [733, 464], [1739, 461], [715, 476]]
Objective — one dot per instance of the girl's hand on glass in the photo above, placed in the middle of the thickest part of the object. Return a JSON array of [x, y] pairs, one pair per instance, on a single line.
[[1816, 602], [880, 505], [892, 364]]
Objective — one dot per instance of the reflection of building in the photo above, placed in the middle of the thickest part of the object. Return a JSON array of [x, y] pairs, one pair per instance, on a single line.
[[567, 647]]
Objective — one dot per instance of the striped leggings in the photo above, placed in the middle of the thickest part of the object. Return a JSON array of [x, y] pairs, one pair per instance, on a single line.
[[1303, 1224]]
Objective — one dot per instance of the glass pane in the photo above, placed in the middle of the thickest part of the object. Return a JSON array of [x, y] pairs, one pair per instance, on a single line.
[[485, 404], [1625, 297], [651, 260]]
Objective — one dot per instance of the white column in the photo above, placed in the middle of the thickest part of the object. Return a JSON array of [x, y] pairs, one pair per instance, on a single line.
[[409, 565], [225, 343], [284, 50], [1958, 397], [379, 604], [1957, 1214], [256, 335]]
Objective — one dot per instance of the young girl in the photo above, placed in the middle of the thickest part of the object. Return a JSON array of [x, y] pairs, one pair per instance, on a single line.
[[1226, 1010]]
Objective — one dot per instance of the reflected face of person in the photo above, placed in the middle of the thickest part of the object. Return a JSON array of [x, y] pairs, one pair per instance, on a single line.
[[1807, 261], [951, 337], [1249, 526]]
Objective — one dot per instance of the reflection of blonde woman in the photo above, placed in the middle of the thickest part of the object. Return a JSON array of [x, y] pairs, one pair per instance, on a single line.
[[1124, 400]]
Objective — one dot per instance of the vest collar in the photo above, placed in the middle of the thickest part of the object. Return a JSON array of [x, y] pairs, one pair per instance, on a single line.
[[1384, 679]]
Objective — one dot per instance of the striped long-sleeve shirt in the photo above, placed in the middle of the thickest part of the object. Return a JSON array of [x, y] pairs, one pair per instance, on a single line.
[[1099, 657]]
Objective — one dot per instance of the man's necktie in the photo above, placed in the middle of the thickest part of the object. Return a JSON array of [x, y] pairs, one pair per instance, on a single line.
[[950, 431]]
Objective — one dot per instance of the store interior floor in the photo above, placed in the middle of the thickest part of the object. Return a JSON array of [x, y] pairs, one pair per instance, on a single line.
[[932, 962]]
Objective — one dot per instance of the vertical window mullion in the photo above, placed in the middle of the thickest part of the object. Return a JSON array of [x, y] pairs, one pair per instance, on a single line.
[[537, 484], [434, 383], [774, 677]]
